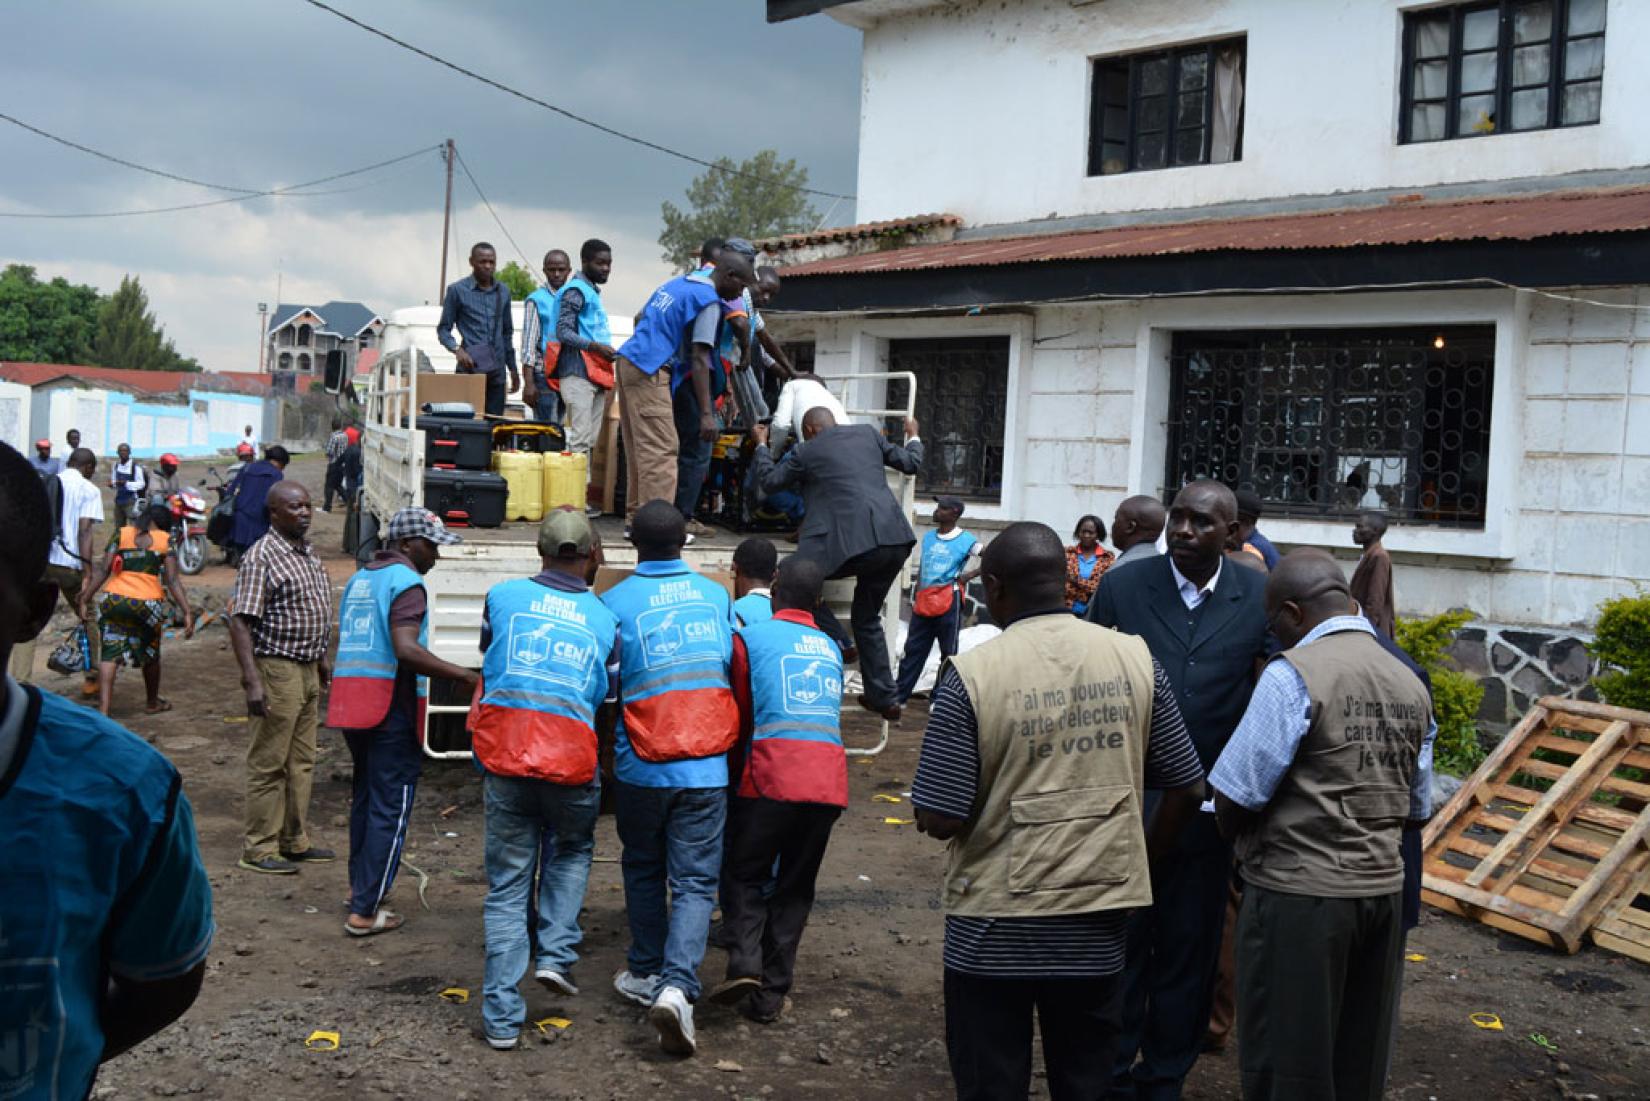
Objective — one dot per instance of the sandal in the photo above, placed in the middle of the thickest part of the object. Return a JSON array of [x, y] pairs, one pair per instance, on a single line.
[[384, 921], [161, 704]]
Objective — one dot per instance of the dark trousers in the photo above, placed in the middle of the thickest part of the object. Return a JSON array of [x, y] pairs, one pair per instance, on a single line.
[[988, 1034], [1317, 981], [920, 638], [1173, 952], [498, 388], [765, 930], [388, 761], [874, 573], [334, 483], [692, 453]]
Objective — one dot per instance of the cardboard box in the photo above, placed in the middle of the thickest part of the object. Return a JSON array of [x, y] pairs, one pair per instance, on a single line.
[[436, 386], [609, 576]]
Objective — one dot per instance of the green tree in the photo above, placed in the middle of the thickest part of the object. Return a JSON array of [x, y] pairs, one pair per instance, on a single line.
[[53, 322], [517, 280], [756, 198], [128, 336]]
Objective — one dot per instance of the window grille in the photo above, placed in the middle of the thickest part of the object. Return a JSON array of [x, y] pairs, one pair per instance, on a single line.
[[1325, 423], [962, 401]]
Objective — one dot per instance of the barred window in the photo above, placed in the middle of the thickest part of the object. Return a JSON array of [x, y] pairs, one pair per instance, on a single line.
[[962, 399], [1323, 423]]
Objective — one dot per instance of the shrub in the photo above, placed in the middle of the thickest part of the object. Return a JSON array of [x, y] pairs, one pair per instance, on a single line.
[[1622, 643], [1455, 695]]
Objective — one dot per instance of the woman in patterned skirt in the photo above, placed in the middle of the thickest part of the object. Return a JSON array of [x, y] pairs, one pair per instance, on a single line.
[[135, 579]]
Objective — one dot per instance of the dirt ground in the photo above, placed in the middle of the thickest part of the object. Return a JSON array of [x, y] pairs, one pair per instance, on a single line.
[[866, 1019]]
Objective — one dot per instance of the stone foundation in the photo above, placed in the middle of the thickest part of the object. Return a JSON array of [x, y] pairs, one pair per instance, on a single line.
[[1518, 665]]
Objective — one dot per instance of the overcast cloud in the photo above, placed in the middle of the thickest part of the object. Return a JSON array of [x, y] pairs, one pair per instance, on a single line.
[[267, 93]]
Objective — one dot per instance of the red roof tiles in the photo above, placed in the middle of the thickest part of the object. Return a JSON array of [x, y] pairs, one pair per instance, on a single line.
[[1399, 222]]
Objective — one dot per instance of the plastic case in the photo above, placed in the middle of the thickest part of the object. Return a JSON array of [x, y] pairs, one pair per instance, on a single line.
[[466, 497], [452, 444]]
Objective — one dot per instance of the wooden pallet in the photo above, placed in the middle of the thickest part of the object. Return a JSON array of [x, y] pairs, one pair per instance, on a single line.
[[1552, 831], [1624, 926]]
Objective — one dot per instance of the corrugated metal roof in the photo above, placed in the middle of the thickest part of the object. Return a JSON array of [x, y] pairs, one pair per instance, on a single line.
[[857, 232], [1519, 218]]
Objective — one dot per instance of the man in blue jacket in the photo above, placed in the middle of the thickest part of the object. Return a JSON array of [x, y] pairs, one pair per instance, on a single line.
[[1205, 623], [673, 347]]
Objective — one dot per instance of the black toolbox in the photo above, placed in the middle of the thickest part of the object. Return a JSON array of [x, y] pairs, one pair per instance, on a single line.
[[453, 444], [466, 498]]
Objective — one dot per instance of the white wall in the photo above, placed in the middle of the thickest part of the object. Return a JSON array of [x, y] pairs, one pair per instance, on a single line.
[[15, 416], [982, 109], [1568, 521]]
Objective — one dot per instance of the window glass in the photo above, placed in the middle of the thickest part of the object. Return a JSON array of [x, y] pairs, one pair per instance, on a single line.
[[1480, 30], [1584, 60], [1586, 16], [1531, 65], [1533, 22], [1475, 115], [1529, 109], [1477, 73], [1581, 103]]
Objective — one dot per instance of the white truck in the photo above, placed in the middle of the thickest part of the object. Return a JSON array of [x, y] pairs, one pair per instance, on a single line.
[[393, 478]]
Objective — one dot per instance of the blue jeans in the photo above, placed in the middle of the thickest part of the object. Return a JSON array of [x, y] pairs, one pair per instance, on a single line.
[[388, 761], [547, 409], [920, 638], [671, 837], [532, 823], [692, 453]]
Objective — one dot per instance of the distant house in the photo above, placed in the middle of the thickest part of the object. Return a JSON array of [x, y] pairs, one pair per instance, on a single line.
[[299, 336], [1370, 255]]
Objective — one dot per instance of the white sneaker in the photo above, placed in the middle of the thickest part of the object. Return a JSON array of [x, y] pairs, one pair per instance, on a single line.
[[673, 1017], [640, 989], [503, 1043], [557, 982]]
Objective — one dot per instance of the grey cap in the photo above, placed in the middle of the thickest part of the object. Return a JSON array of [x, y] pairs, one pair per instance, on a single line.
[[419, 523], [741, 246]]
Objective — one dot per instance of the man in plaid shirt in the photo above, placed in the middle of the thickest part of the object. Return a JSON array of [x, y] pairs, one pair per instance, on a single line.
[[280, 625]]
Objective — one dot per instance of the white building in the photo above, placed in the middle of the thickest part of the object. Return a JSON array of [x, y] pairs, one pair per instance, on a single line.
[[1348, 254]]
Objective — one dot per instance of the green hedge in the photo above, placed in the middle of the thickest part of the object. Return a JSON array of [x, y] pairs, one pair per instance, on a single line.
[[1622, 643], [1455, 695]]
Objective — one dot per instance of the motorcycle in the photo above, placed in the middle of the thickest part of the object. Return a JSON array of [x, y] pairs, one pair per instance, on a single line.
[[189, 529]]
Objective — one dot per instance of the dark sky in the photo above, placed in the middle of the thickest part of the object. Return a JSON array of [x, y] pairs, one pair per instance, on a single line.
[[278, 92]]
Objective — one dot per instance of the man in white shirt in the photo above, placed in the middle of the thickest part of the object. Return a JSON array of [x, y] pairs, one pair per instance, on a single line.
[[802, 393], [71, 554], [250, 438]]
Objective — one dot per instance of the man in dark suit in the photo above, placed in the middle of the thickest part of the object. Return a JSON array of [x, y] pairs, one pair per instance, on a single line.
[[1204, 620], [854, 526]]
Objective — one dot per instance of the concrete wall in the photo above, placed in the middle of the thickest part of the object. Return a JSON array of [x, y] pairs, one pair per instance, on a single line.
[[16, 412], [1568, 522], [958, 99], [207, 423]]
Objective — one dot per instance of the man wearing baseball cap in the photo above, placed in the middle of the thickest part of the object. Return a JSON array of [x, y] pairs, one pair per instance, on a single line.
[[379, 685], [42, 460], [551, 662]]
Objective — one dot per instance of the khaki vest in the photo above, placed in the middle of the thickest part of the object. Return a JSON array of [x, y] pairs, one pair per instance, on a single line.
[[1334, 824], [1064, 708]]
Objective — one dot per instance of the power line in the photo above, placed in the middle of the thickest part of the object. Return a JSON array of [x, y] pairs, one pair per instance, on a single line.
[[564, 112], [110, 157], [528, 264], [292, 191]]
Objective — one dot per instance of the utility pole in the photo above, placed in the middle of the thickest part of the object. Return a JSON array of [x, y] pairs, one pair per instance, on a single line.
[[263, 333], [446, 219]]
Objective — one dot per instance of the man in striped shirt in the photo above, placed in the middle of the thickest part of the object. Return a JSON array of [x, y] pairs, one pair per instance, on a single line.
[[1037, 750]]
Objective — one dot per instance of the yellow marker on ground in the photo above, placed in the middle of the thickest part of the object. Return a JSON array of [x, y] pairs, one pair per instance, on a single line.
[[547, 1023], [898, 821], [455, 994], [322, 1040], [1487, 1021], [880, 798]]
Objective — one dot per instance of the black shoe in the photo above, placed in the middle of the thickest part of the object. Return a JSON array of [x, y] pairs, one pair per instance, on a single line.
[[269, 865], [733, 990], [311, 855], [749, 1010]]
